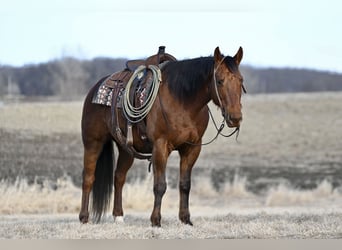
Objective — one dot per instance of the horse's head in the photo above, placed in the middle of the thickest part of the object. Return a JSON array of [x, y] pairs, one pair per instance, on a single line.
[[228, 86]]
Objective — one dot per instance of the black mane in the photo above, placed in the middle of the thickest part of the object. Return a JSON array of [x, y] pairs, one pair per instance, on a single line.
[[185, 78]]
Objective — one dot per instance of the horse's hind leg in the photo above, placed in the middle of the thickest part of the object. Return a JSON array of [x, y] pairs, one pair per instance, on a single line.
[[188, 155], [124, 163], [91, 154]]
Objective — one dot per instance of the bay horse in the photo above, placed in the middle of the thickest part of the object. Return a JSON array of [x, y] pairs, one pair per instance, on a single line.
[[176, 121]]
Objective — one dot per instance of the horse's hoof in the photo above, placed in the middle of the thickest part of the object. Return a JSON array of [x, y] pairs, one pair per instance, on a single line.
[[187, 222], [119, 219], [84, 218], [185, 219], [155, 223]]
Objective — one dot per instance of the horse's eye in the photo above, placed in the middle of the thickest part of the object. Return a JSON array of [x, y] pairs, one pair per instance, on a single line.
[[220, 82]]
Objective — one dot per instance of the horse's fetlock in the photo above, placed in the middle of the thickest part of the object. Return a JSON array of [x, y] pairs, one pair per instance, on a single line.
[[155, 220], [184, 217]]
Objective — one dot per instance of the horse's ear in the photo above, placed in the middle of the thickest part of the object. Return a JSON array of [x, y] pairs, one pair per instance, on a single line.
[[238, 56], [217, 54]]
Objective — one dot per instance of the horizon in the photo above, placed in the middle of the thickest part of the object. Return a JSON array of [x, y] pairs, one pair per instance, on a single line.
[[257, 67]]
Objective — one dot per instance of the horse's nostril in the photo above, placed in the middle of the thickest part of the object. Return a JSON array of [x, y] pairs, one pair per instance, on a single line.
[[235, 118]]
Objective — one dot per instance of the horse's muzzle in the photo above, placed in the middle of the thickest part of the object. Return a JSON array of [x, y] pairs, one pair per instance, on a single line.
[[233, 120]]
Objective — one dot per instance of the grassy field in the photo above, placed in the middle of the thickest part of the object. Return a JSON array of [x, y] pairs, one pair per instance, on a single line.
[[282, 179]]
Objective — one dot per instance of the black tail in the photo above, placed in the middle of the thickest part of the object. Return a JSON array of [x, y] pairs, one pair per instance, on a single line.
[[103, 184]]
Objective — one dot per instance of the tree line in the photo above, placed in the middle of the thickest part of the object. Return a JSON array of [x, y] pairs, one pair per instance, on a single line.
[[286, 80], [69, 78]]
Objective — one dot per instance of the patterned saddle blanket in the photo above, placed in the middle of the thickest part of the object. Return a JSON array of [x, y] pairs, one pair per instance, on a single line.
[[114, 82], [114, 86]]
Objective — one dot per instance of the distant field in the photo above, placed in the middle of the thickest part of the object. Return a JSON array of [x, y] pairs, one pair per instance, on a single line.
[[282, 179], [41, 117]]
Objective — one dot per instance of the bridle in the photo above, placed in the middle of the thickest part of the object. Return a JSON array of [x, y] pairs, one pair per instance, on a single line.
[[223, 112], [216, 90], [215, 86]]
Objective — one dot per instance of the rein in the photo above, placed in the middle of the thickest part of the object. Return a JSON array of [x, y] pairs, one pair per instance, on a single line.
[[219, 132]]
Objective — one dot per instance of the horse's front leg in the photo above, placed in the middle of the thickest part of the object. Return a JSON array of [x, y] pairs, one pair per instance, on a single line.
[[188, 155], [159, 160]]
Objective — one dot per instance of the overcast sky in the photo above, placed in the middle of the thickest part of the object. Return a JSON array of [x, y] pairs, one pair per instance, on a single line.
[[291, 33]]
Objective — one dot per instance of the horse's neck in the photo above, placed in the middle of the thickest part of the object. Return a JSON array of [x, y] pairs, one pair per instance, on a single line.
[[204, 96], [190, 81], [201, 99]]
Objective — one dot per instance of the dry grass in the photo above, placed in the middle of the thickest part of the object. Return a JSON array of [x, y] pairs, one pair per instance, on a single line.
[[23, 198], [33, 212]]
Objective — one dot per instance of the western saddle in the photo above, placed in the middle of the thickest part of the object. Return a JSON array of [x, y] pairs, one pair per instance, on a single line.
[[139, 92]]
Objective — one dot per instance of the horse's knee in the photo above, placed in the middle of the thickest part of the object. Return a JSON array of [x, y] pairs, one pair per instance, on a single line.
[[184, 186], [159, 188]]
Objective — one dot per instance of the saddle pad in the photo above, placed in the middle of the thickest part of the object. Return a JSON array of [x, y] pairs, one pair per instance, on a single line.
[[115, 85], [115, 82], [103, 95]]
